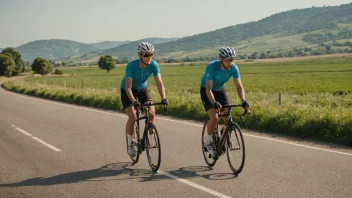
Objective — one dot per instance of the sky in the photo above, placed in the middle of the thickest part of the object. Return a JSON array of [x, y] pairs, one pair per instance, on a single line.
[[89, 21]]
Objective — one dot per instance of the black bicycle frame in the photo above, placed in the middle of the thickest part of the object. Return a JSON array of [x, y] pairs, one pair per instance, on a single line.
[[141, 142], [228, 128]]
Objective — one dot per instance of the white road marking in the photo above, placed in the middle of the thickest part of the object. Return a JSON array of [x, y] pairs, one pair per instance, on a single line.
[[301, 145], [213, 192], [23, 131], [46, 144], [183, 122], [39, 140]]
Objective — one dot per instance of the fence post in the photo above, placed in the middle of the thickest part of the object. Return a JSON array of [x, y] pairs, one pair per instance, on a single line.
[[280, 98]]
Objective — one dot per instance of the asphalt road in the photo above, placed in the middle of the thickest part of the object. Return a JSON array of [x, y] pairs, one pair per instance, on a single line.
[[52, 149]]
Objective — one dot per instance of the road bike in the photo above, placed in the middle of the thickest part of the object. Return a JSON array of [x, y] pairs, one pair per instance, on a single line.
[[150, 140], [229, 139]]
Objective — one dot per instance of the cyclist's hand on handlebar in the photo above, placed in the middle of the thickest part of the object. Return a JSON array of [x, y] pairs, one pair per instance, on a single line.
[[245, 104], [216, 105], [164, 102], [137, 104]]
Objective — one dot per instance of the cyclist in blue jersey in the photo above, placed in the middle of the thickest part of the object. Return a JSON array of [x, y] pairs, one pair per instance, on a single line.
[[212, 90], [134, 85]]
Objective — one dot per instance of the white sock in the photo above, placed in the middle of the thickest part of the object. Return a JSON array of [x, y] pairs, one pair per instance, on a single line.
[[129, 139], [209, 138]]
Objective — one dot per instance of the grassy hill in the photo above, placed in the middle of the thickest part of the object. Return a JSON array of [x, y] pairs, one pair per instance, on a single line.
[[280, 31], [71, 51], [130, 49], [108, 44], [53, 49], [93, 57], [309, 29]]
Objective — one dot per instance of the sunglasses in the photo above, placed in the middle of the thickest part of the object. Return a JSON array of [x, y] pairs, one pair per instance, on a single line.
[[228, 60], [147, 55]]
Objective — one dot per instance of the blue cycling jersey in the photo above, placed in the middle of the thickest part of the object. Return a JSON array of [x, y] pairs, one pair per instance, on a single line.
[[139, 76], [218, 76]]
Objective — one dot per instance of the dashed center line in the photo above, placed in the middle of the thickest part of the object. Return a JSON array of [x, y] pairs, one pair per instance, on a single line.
[[39, 140]]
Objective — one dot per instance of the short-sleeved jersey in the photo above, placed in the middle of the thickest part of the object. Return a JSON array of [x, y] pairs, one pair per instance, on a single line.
[[218, 76], [139, 76]]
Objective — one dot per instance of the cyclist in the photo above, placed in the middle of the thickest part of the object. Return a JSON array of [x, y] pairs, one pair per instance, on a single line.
[[213, 93], [134, 85]]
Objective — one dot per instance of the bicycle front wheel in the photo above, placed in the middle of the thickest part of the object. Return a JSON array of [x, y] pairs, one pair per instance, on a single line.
[[135, 145], [210, 161], [152, 144], [235, 149]]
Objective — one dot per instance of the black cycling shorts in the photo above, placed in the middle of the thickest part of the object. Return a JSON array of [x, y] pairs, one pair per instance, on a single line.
[[141, 95], [219, 95]]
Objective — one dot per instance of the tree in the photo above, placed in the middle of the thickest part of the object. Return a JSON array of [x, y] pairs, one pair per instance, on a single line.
[[254, 55], [7, 65], [328, 49], [16, 56], [106, 63], [42, 66], [262, 56]]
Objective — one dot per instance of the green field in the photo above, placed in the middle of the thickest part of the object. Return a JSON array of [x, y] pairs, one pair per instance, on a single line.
[[316, 94], [301, 77]]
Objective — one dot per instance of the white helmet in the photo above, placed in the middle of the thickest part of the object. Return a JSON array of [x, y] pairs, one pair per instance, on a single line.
[[144, 47], [227, 52]]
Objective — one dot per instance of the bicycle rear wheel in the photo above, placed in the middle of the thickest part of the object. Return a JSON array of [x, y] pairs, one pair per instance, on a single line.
[[153, 147], [135, 145], [209, 161], [235, 149]]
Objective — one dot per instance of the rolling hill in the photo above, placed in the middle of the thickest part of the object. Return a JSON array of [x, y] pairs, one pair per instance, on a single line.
[[281, 25], [53, 49], [108, 44], [130, 49], [309, 28]]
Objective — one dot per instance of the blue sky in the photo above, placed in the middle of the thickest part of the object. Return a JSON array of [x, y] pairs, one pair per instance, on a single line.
[[89, 21]]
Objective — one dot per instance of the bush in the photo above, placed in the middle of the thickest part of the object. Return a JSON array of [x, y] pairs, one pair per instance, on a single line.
[[7, 65], [42, 66], [58, 72]]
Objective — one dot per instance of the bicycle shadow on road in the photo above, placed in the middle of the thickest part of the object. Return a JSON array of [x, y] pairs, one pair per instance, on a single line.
[[191, 172], [121, 170]]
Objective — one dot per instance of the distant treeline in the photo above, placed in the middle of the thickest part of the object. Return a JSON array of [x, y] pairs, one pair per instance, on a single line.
[[316, 38]]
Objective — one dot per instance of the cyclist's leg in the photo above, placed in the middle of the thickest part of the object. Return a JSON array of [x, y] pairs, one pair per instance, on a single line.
[[213, 120], [213, 117], [145, 97], [130, 111], [223, 99]]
